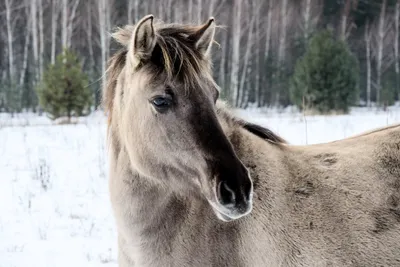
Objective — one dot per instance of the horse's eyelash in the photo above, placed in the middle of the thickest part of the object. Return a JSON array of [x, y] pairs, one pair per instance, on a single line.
[[168, 90]]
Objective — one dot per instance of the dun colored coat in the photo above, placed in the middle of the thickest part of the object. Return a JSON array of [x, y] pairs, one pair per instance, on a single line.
[[192, 185]]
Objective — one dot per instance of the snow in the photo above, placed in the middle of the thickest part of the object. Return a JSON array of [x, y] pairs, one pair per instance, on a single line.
[[54, 206]]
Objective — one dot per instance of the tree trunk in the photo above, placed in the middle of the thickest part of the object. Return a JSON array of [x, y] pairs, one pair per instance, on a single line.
[[64, 24], [199, 9], [130, 8], [136, 11], [91, 53], [41, 39], [245, 103], [10, 40], [146, 8], [90, 37], [71, 19], [267, 47], [54, 19], [161, 8], [222, 72], [211, 8], [257, 55], [381, 35], [234, 80], [25, 57], [169, 9], [103, 37], [282, 33], [245, 64], [190, 8], [367, 38], [34, 38], [307, 18], [396, 47], [345, 15], [282, 45]]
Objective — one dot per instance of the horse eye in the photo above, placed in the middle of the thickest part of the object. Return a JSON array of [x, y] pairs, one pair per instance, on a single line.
[[162, 103]]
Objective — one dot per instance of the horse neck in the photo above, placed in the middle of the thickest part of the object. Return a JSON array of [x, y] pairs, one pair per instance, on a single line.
[[146, 201]]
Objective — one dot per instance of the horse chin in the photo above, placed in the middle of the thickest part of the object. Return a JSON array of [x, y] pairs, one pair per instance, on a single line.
[[227, 216], [223, 217]]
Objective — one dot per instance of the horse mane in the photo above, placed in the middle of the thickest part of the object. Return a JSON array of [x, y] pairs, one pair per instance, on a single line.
[[262, 132], [173, 54], [115, 65]]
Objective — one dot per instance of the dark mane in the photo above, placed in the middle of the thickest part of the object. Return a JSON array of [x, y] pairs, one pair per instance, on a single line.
[[262, 132], [115, 65], [176, 55]]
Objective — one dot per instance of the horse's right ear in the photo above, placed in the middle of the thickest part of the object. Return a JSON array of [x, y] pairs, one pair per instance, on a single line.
[[143, 40], [204, 36]]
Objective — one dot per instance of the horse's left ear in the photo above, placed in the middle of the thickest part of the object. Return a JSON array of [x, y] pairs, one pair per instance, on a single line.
[[204, 36], [143, 40]]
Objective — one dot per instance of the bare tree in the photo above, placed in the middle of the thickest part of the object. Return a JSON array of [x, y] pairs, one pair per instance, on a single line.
[[345, 16], [307, 18], [103, 17], [137, 10], [199, 9], [25, 56], [396, 46], [246, 59], [55, 11], [267, 48], [130, 9], [34, 37], [71, 20], [134, 5], [190, 18], [234, 80], [169, 8], [10, 38], [379, 57], [367, 39], [64, 24], [68, 16], [258, 6], [211, 6], [282, 42], [41, 38], [222, 61], [310, 14], [283, 31]]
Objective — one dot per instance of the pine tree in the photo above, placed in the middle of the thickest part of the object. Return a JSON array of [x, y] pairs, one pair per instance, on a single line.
[[326, 77], [64, 90]]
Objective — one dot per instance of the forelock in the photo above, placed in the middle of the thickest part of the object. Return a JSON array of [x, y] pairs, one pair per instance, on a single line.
[[174, 54]]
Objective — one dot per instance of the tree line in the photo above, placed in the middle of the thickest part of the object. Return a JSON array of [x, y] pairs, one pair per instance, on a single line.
[[259, 43]]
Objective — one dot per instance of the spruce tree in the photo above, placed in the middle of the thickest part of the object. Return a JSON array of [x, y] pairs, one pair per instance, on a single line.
[[326, 77], [64, 90]]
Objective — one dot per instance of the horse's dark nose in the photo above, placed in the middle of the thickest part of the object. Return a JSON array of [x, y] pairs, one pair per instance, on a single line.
[[234, 197], [226, 195]]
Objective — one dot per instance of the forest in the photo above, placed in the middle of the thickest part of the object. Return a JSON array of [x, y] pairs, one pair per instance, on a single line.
[[258, 43]]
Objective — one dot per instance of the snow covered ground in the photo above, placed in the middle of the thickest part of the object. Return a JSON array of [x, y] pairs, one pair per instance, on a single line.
[[54, 207]]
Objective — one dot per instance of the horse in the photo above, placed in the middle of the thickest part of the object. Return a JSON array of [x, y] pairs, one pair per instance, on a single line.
[[191, 184]]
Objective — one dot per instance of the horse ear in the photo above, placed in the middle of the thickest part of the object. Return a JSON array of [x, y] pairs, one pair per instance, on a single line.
[[143, 39], [204, 36]]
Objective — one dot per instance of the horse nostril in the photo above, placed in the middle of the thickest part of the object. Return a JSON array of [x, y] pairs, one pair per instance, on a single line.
[[226, 194]]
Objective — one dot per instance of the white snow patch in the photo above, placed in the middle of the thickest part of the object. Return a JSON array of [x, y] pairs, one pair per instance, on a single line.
[[55, 208]]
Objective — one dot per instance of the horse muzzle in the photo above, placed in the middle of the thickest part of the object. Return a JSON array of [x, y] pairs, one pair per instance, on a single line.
[[232, 202]]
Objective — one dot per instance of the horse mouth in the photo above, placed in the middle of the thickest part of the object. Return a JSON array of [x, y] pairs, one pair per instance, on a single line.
[[227, 215]]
